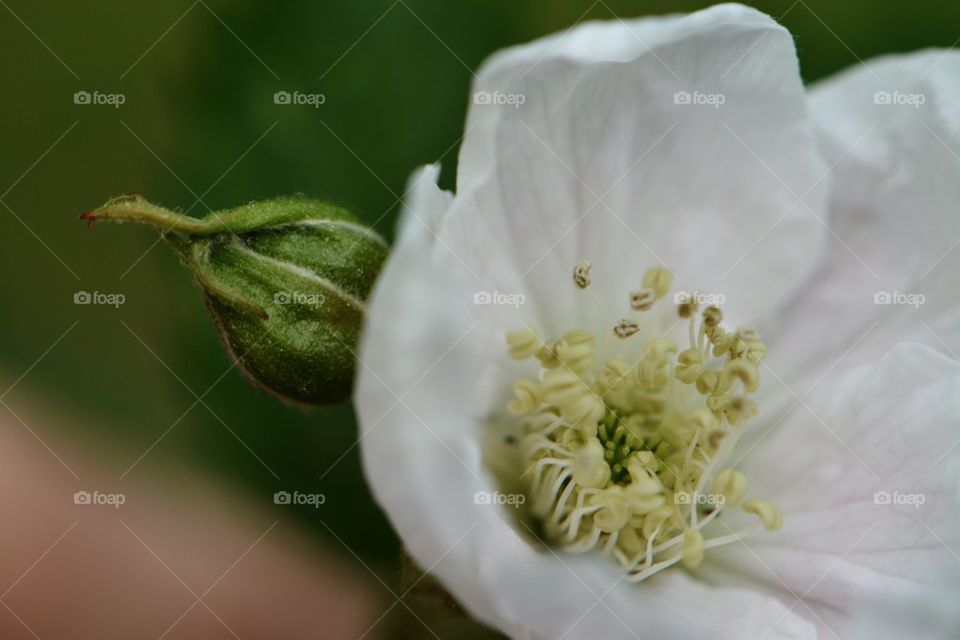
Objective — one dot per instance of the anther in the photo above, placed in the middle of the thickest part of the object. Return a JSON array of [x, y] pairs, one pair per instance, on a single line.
[[712, 383], [547, 354], [642, 300], [528, 395], [738, 410], [625, 328], [589, 467], [615, 374], [690, 365], [767, 512], [712, 316], [615, 512], [687, 307], [575, 350], [713, 440], [656, 520], [742, 371], [732, 485], [523, 343], [659, 280], [581, 274]]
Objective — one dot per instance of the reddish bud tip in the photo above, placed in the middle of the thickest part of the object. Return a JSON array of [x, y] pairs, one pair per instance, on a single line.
[[89, 216]]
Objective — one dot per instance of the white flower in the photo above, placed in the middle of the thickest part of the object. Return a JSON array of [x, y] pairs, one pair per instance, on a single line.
[[570, 456]]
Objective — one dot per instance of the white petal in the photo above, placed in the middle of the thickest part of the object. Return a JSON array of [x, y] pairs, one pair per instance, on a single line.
[[599, 162], [422, 405], [886, 430], [894, 219]]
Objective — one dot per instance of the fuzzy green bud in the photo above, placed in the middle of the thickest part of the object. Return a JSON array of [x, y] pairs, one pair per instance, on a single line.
[[285, 281]]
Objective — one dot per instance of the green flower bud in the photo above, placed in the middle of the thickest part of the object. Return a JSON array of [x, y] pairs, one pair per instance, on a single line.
[[285, 281]]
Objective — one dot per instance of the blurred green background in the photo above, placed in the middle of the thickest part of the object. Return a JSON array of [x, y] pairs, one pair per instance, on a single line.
[[199, 130]]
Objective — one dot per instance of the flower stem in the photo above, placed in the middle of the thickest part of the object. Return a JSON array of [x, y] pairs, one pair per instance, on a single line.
[[136, 208]]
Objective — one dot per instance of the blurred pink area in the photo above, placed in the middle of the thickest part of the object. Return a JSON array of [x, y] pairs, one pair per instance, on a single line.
[[180, 559]]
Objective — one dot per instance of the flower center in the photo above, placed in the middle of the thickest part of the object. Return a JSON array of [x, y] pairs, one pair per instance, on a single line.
[[628, 458]]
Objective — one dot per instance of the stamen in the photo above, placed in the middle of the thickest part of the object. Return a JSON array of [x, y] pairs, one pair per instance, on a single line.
[[523, 343], [687, 307], [615, 374], [731, 484], [643, 299], [581, 274], [528, 395], [712, 316], [692, 554], [618, 456], [690, 365], [767, 511], [659, 280], [736, 536], [575, 350], [743, 371], [625, 328], [547, 354]]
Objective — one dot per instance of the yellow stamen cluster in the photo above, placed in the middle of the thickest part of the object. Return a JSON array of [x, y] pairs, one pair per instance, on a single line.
[[626, 457]]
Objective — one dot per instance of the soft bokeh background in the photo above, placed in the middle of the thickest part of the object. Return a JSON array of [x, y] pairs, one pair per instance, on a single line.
[[199, 130]]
